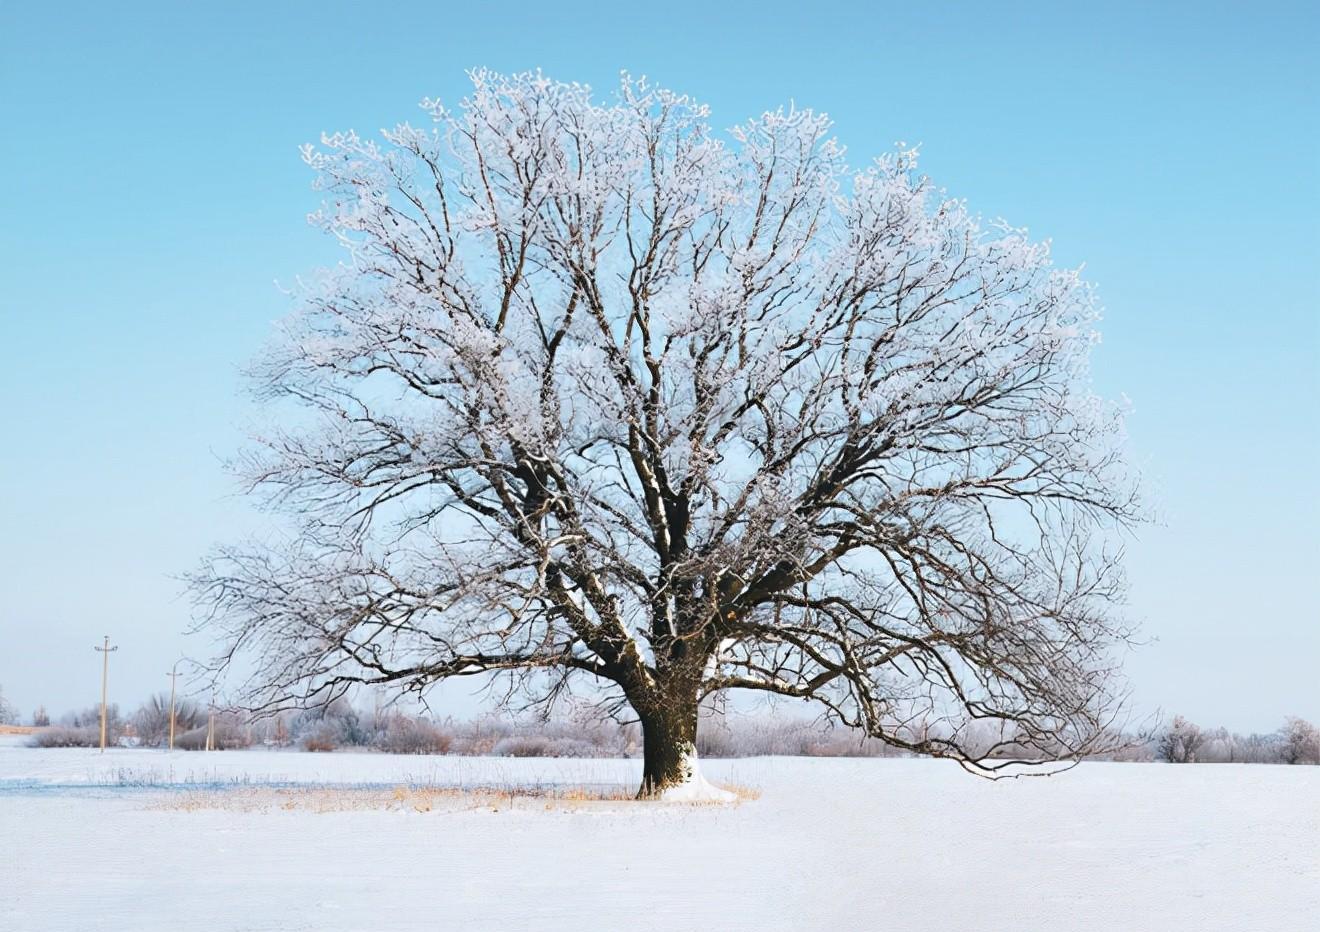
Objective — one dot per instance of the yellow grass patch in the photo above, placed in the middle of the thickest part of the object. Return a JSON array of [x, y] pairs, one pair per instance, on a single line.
[[407, 799]]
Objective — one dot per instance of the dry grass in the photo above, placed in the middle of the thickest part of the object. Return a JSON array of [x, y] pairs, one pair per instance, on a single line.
[[18, 730], [412, 799], [743, 792]]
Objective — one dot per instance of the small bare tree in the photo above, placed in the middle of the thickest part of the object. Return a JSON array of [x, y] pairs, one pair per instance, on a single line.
[[1301, 741], [152, 719], [8, 714], [598, 393], [1181, 742]]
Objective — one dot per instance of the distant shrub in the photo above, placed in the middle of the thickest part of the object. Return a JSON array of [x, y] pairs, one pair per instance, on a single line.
[[322, 738], [533, 745], [337, 723], [82, 729], [399, 734], [741, 736], [523, 746], [40, 719], [66, 736], [1300, 742], [230, 734], [574, 735], [194, 739]]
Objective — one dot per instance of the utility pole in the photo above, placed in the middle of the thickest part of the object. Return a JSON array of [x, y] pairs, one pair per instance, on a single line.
[[174, 676], [106, 650]]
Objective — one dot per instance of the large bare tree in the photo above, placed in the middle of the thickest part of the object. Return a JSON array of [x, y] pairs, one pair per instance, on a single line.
[[600, 393]]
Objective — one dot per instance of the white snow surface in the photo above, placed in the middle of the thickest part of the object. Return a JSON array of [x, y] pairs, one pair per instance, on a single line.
[[697, 790], [830, 844]]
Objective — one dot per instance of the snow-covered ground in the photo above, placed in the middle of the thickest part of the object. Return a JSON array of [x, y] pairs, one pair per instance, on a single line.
[[93, 842]]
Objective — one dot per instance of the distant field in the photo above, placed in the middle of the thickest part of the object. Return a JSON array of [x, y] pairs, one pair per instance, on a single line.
[[264, 840], [18, 730]]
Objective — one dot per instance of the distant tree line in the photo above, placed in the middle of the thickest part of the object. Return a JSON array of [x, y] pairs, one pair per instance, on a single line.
[[577, 732], [1184, 742]]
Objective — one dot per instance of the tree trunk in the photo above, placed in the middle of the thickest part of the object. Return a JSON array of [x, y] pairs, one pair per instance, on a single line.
[[669, 748], [669, 754]]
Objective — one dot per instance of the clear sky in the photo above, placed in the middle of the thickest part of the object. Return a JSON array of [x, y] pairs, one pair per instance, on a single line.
[[152, 194]]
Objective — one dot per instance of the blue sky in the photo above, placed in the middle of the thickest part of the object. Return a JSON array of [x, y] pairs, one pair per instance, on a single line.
[[153, 194]]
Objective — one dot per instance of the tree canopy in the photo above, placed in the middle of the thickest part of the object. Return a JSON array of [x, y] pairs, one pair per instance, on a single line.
[[599, 392]]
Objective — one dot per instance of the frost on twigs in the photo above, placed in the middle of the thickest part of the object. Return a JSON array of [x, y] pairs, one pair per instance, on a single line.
[[600, 393]]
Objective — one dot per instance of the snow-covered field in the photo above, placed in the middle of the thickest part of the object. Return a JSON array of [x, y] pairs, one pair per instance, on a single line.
[[95, 842]]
